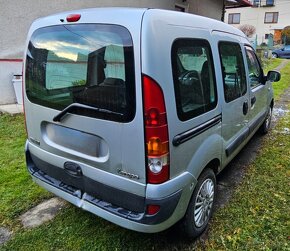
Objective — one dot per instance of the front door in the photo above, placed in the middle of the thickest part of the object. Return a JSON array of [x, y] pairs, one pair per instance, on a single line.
[[258, 90]]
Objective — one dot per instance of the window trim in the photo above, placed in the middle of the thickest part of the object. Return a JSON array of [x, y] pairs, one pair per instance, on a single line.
[[221, 64], [185, 116], [276, 13], [231, 20], [260, 64]]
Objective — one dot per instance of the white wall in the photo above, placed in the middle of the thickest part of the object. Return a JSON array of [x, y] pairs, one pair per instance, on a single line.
[[255, 16], [7, 69], [207, 8], [16, 17]]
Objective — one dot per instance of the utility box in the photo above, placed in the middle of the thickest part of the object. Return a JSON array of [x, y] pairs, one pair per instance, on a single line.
[[17, 84]]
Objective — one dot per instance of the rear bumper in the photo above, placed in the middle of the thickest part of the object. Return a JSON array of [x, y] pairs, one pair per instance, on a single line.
[[120, 208]]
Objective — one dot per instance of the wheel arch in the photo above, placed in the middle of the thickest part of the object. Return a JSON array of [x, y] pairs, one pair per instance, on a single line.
[[190, 229], [272, 103], [208, 155], [214, 165]]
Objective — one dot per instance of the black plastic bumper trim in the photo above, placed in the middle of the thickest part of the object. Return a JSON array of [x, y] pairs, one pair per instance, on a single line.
[[237, 142], [104, 192], [124, 204], [257, 122]]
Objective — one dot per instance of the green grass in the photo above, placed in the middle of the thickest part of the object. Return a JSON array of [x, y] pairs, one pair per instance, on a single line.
[[17, 192], [280, 86], [256, 217], [270, 64]]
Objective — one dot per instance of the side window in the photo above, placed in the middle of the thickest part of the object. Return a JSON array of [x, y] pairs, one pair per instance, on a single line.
[[255, 71], [194, 79], [233, 70]]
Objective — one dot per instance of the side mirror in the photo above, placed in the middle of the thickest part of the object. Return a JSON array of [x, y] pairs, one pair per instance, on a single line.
[[273, 76]]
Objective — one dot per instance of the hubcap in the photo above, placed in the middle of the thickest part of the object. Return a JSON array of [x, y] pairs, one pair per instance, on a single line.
[[203, 203]]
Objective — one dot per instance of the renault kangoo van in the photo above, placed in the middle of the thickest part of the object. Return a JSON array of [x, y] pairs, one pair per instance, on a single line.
[[131, 113]]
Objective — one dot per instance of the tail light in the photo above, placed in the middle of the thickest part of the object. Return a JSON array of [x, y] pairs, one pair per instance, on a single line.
[[156, 132], [23, 95]]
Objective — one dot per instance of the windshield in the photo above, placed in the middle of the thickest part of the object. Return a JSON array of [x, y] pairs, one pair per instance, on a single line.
[[90, 64]]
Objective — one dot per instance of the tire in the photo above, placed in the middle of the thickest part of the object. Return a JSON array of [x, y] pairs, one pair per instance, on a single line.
[[265, 127], [274, 55], [200, 207]]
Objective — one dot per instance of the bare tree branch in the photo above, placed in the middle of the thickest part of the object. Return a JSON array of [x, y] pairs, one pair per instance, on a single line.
[[248, 29]]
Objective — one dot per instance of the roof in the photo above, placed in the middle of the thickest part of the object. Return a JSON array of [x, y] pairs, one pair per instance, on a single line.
[[132, 17], [237, 3], [191, 20]]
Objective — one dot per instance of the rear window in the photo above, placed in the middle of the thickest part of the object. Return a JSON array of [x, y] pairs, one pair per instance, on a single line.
[[90, 64]]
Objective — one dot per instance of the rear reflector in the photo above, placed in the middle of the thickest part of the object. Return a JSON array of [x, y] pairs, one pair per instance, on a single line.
[[153, 209], [73, 17], [156, 132]]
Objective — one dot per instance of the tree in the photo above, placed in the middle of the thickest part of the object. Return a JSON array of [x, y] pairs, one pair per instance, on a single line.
[[248, 29], [286, 35]]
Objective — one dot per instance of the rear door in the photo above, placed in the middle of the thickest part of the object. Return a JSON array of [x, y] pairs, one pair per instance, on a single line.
[[81, 102], [236, 95]]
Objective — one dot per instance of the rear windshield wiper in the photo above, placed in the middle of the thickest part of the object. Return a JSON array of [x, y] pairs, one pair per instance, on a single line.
[[74, 106]]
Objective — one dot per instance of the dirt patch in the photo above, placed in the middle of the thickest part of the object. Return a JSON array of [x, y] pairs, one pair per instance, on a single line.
[[234, 173], [43, 212], [278, 113], [5, 235], [281, 107], [282, 65]]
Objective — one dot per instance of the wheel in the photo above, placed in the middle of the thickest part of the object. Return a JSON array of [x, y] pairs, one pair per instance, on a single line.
[[274, 55], [200, 207], [265, 127]]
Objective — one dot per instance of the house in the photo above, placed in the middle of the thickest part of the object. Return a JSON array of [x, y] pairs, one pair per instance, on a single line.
[[269, 17], [16, 17]]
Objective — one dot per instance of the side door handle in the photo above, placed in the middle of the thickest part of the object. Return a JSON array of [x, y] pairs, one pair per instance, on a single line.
[[245, 107], [253, 100]]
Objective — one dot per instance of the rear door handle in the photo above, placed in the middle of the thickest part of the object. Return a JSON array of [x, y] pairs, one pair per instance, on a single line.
[[253, 101], [245, 107]]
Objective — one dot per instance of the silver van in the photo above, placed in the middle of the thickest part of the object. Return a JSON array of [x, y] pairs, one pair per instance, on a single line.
[[131, 113]]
